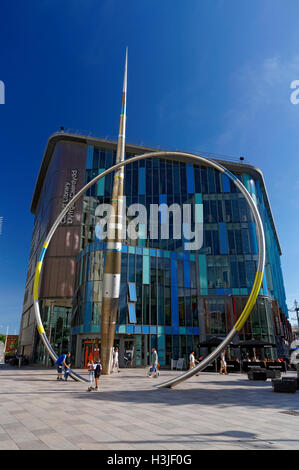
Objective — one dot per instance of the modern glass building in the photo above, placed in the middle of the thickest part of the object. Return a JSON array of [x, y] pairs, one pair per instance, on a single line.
[[183, 297]]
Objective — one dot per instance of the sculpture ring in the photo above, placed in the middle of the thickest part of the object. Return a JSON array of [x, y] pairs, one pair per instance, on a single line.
[[188, 158]]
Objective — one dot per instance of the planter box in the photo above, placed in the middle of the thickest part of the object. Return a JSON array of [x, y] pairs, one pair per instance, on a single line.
[[284, 386], [294, 379], [257, 375], [273, 374]]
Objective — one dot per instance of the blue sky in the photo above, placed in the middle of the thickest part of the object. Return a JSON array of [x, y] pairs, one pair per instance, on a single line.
[[212, 76]]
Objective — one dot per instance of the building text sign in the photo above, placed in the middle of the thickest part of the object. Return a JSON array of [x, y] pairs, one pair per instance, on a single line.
[[69, 191], [2, 92]]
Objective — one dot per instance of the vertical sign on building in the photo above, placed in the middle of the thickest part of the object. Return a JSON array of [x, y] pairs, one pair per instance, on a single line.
[[2, 92]]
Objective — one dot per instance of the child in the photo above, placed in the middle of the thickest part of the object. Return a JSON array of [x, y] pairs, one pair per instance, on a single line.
[[91, 368], [97, 372]]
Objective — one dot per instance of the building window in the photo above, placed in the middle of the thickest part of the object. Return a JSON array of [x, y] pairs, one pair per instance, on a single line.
[[132, 312]]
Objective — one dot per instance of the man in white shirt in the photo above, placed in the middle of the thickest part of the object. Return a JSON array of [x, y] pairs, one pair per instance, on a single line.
[[192, 360], [115, 360]]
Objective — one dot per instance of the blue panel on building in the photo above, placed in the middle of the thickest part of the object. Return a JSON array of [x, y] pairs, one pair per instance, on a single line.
[[198, 198], [246, 181], [225, 183], [146, 270], [190, 178], [198, 208], [161, 350], [203, 272], [141, 181], [142, 234], [227, 291], [132, 312], [132, 292], [89, 157], [187, 280], [253, 239], [174, 294], [265, 285], [223, 238], [101, 184]]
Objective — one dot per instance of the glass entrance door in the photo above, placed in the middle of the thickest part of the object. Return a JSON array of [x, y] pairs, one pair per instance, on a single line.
[[91, 351], [129, 352]]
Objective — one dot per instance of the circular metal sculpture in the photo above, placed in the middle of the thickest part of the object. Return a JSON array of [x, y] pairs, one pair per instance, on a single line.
[[183, 157]]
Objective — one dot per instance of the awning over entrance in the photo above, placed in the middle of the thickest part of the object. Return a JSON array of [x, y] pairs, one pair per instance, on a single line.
[[254, 343], [213, 342]]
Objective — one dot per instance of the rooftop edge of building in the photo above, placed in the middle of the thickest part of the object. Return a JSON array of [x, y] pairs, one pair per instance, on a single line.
[[91, 140]]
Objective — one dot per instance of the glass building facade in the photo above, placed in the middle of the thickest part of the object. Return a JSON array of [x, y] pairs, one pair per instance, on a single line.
[[183, 297]]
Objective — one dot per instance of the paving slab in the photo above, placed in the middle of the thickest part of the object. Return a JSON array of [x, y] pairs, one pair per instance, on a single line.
[[210, 411]]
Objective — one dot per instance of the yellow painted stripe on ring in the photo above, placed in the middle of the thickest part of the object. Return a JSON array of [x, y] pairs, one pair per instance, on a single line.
[[45, 245], [250, 302], [40, 329], [36, 279]]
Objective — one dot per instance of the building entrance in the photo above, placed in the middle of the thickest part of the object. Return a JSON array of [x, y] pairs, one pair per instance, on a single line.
[[91, 351], [129, 350], [127, 347]]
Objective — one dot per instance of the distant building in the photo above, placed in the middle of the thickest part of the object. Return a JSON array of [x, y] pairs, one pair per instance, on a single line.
[[183, 297]]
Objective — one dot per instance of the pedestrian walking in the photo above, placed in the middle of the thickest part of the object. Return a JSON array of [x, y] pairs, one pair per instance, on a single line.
[[154, 369], [91, 368], [223, 366], [192, 361], [60, 363], [115, 360], [97, 372]]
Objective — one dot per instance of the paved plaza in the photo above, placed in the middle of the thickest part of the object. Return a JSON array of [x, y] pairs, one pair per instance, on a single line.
[[211, 411]]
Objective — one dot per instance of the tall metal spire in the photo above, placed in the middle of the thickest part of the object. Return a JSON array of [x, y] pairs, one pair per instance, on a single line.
[[112, 271]]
